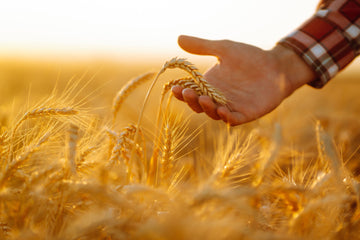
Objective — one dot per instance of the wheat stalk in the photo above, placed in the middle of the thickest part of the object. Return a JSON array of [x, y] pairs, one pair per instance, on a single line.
[[126, 90], [72, 138], [3, 142], [265, 166]]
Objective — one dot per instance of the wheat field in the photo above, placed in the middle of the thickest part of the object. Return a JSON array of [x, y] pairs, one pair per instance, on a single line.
[[88, 152]]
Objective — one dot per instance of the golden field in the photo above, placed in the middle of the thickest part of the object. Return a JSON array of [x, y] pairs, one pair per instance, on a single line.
[[70, 170]]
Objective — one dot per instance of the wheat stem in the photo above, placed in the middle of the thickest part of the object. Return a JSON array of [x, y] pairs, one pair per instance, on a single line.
[[72, 138]]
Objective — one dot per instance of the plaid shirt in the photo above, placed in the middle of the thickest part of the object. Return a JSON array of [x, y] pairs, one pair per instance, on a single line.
[[329, 40]]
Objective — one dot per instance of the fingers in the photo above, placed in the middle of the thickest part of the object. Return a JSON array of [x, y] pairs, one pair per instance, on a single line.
[[177, 91], [209, 107], [196, 103], [233, 118], [205, 104], [198, 45], [192, 99]]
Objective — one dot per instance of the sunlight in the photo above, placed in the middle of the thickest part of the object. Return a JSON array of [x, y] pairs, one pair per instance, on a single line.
[[147, 27]]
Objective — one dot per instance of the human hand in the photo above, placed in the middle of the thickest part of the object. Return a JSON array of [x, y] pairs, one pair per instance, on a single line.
[[253, 80]]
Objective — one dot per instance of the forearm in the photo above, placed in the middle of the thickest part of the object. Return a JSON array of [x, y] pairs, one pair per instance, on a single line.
[[328, 41]]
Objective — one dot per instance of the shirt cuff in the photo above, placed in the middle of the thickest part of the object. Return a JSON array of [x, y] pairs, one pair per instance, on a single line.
[[328, 41]]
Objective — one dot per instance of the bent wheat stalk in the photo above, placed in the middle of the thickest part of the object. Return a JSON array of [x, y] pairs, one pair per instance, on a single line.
[[205, 87]]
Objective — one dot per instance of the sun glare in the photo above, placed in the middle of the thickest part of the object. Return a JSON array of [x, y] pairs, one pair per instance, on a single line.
[[149, 27]]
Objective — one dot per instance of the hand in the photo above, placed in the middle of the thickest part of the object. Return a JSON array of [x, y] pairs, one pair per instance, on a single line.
[[253, 80]]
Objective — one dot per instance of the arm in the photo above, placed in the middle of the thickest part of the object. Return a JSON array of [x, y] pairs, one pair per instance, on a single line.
[[256, 81], [329, 40]]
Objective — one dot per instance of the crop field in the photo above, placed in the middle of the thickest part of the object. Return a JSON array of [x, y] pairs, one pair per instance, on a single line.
[[88, 152]]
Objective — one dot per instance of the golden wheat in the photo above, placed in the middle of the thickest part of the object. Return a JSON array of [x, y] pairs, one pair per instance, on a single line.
[[12, 166], [186, 82], [83, 156], [122, 148], [126, 90], [167, 159], [249, 182], [45, 112], [71, 145], [205, 87]]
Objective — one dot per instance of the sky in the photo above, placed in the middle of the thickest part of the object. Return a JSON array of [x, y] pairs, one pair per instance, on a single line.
[[141, 28]]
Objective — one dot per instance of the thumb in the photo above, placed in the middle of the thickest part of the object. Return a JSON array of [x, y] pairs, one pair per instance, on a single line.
[[198, 45]]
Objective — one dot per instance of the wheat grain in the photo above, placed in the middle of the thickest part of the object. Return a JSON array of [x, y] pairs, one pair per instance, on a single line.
[[124, 142], [126, 134], [205, 87], [186, 82], [80, 162]]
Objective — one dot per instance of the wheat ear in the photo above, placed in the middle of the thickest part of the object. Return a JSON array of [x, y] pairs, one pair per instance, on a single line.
[[40, 112], [123, 146], [13, 165], [167, 157], [205, 87], [186, 82], [81, 160], [127, 89], [123, 138]]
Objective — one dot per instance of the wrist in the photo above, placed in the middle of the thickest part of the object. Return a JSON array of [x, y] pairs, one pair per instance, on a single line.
[[295, 70]]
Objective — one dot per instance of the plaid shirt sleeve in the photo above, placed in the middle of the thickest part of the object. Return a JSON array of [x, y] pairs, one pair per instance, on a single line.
[[329, 40]]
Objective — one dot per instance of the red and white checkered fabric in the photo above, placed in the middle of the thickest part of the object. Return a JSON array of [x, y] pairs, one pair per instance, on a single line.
[[329, 40]]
